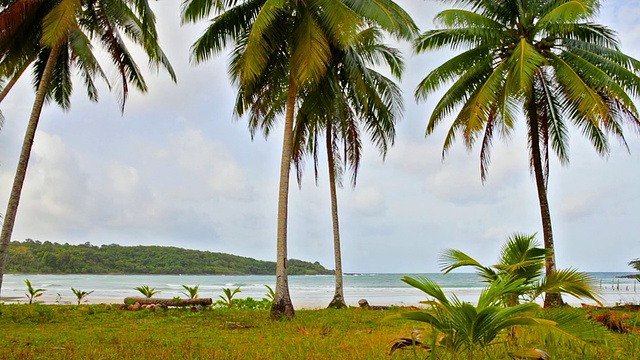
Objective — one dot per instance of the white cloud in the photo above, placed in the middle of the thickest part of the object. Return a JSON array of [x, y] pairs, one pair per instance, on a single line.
[[176, 170]]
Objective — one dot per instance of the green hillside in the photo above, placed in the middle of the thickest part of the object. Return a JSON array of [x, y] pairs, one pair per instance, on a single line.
[[53, 258]]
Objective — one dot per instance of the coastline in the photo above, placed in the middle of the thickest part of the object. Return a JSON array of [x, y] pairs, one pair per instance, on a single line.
[[608, 299], [307, 292]]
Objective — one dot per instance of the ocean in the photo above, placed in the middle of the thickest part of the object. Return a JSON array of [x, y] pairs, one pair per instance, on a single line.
[[306, 291]]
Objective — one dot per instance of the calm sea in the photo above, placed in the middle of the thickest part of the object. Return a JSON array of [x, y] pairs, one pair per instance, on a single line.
[[306, 291]]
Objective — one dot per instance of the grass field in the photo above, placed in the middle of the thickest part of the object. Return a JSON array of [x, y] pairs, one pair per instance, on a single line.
[[96, 332]]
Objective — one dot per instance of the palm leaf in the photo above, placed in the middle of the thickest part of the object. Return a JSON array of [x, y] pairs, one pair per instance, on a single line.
[[58, 24], [311, 53], [569, 281]]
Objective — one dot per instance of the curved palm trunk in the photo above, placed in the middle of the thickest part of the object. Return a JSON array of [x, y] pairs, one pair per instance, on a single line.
[[21, 171], [338, 297], [551, 299], [282, 305], [13, 81]]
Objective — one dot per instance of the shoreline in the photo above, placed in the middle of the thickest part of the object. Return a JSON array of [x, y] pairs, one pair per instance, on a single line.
[[307, 292], [298, 305]]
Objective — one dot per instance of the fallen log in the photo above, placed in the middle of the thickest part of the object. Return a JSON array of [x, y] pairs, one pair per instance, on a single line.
[[168, 302], [365, 305]]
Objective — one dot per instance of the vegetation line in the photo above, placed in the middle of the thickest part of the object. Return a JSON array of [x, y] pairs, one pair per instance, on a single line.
[[53, 258]]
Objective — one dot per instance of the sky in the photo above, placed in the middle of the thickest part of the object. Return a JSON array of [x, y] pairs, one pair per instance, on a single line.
[[177, 169]]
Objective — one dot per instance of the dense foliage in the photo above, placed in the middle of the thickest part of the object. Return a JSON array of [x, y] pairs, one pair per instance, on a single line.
[[47, 257]]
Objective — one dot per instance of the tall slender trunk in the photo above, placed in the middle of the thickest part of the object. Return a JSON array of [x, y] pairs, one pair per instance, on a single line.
[[23, 162], [338, 297], [13, 81], [282, 305], [550, 299]]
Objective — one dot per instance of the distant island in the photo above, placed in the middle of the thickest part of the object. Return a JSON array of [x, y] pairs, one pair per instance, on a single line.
[[53, 258]]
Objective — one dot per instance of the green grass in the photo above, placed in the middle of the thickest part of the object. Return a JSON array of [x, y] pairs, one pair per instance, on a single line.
[[95, 332]]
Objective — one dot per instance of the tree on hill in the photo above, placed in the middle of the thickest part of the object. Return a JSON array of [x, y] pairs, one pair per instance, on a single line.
[[37, 257]]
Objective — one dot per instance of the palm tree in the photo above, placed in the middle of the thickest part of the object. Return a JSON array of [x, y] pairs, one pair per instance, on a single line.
[[460, 328], [280, 48], [349, 97], [56, 36], [522, 260], [544, 59]]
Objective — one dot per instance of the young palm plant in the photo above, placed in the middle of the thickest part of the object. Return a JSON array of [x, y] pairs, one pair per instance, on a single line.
[[81, 295], [146, 291], [32, 293], [190, 292], [227, 299], [546, 60], [522, 260], [464, 330]]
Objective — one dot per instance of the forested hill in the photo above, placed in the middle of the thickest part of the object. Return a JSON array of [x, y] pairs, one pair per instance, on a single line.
[[53, 258]]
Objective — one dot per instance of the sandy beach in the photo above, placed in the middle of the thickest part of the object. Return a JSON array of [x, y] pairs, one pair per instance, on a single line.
[[609, 298]]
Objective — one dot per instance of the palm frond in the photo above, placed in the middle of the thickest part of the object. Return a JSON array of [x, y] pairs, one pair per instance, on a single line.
[[569, 281], [311, 53], [58, 24], [387, 14]]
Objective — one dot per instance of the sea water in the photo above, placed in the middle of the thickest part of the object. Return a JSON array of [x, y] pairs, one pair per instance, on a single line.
[[306, 291]]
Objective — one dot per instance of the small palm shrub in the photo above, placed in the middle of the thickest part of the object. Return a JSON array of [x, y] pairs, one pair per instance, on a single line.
[[32, 293], [251, 303], [146, 291], [522, 259], [270, 295], [227, 299], [463, 330], [81, 295], [190, 292]]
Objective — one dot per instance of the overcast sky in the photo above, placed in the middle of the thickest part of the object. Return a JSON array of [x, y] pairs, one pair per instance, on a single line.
[[176, 169]]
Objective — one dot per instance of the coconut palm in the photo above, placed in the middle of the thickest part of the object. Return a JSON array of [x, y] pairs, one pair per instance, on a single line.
[[350, 97], [522, 260], [56, 37], [460, 328], [279, 49], [546, 60]]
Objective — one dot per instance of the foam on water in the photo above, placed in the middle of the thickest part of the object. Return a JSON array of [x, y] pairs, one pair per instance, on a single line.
[[306, 289]]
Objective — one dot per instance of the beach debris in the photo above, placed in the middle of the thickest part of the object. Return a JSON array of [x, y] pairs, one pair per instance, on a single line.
[[235, 325], [169, 302], [534, 354], [612, 320], [403, 343], [365, 305], [589, 306]]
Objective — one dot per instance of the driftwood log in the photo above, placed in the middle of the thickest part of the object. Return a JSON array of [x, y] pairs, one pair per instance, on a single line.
[[168, 302], [365, 305]]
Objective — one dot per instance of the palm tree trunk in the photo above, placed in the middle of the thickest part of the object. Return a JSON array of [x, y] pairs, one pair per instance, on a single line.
[[282, 305], [21, 171], [338, 297], [13, 81], [551, 299]]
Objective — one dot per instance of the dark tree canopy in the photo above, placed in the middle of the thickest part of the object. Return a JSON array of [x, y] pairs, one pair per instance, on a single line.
[[46, 257]]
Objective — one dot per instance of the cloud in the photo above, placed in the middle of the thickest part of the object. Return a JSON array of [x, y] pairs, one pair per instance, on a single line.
[[176, 170]]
